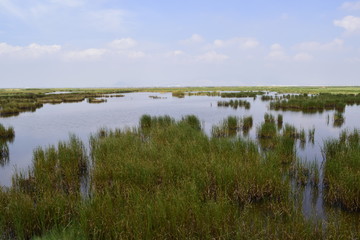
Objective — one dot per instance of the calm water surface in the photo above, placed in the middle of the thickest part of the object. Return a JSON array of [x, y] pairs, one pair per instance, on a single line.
[[52, 123]]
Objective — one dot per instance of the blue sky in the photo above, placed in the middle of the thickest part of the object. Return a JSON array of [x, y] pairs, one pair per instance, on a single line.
[[108, 43]]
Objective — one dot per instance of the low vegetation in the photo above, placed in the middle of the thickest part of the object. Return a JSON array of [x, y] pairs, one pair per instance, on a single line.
[[96, 100], [234, 104], [6, 135], [164, 179], [341, 172], [315, 103]]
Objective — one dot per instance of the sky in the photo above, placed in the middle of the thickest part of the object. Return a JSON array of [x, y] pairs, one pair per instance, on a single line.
[[161, 43]]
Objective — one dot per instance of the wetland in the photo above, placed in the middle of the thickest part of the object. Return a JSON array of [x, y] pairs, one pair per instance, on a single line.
[[193, 163]]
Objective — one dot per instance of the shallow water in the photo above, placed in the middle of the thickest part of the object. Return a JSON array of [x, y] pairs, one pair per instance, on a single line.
[[52, 123]]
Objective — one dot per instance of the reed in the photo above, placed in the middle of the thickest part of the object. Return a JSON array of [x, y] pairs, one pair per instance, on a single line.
[[311, 135], [240, 94], [7, 133], [269, 118], [315, 103], [229, 127], [338, 119], [178, 94], [165, 179], [234, 104], [280, 121], [96, 100], [341, 171], [247, 124]]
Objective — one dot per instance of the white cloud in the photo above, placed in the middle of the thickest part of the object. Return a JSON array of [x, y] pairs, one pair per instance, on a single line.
[[241, 43], [212, 56], [195, 38], [336, 44], [87, 54], [303, 57], [276, 53], [351, 5], [6, 48], [349, 23], [31, 51], [123, 43]]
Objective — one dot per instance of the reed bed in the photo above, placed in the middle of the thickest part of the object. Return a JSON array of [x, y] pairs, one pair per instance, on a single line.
[[12, 103], [96, 100], [234, 104], [315, 103], [178, 94], [204, 93], [165, 179], [341, 171], [240, 94]]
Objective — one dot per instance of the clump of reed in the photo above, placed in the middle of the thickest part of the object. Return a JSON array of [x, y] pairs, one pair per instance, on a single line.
[[315, 103], [229, 127], [290, 131], [240, 94], [234, 104], [267, 98], [304, 173], [247, 124], [311, 135], [96, 100], [268, 128], [341, 170], [6, 133], [177, 178], [4, 153], [204, 93], [338, 119], [14, 108], [280, 121], [48, 195], [147, 122], [269, 118], [178, 94]]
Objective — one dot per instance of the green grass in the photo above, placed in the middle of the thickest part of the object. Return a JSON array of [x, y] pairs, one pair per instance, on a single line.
[[315, 103], [341, 172], [165, 179]]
